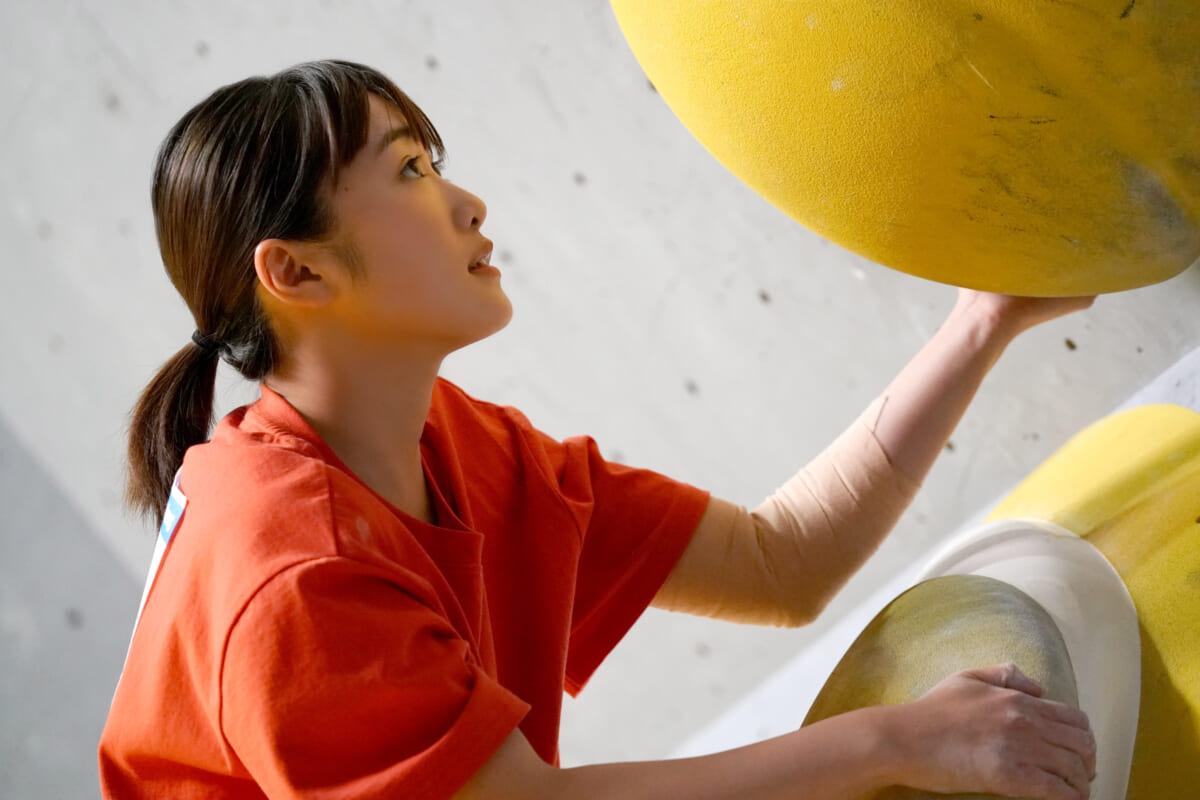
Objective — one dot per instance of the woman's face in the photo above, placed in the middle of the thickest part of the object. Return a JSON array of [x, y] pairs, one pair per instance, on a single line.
[[413, 237]]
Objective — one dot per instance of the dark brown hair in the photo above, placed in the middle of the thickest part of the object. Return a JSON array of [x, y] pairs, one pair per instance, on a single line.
[[254, 160]]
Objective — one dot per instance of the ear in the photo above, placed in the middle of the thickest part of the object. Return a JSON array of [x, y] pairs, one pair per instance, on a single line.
[[294, 273]]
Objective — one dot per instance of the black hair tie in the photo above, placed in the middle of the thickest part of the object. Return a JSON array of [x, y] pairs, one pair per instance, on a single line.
[[208, 344]]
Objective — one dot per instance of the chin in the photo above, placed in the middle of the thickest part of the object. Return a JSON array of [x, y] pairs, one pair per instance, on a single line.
[[495, 321]]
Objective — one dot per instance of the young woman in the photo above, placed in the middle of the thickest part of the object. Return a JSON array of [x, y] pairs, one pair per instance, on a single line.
[[369, 584]]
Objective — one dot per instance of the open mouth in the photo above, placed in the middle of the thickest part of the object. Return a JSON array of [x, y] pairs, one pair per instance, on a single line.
[[484, 259]]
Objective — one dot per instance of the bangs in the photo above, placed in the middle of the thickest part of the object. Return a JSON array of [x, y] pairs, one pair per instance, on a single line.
[[339, 93]]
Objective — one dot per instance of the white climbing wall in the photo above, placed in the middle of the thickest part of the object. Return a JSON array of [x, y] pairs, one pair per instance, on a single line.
[[660, 306]]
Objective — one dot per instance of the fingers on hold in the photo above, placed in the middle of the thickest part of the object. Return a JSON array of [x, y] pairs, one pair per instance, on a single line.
[[1077, 741], [1068, 715], [1001, 675], [1033, 782], [1069, 766], [1013, 678]]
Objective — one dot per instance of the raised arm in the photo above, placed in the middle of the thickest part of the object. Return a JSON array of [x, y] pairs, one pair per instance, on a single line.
[[783, 562]]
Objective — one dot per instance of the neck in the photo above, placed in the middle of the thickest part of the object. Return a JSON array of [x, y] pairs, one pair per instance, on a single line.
[[370, 408]]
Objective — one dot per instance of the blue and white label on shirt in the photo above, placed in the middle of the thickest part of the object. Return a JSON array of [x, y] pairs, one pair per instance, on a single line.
[[176, 503]]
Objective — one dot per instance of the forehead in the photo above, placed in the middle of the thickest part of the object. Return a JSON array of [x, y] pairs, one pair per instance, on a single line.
[[387, 125]]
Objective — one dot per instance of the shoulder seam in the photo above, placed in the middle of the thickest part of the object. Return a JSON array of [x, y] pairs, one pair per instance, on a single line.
[[233, 623]]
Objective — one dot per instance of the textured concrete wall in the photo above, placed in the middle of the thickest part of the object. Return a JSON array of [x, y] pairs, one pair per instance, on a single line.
[[660, 306]]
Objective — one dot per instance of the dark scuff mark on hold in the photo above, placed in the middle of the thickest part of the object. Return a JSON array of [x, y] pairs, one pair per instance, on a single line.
[[978, 17], [764, 296], [998, 179], [1020, 117], [74, 619], [580, 179], [692, 388], [949, 446], [1070, 344], [431, 62], [1146, 189], [1128, 9]]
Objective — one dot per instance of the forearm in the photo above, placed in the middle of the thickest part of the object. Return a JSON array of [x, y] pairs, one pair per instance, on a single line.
[[925, 402], [980, 731], [841, 757]]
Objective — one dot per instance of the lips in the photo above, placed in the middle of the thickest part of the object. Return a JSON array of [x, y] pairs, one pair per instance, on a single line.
[[482, 259]]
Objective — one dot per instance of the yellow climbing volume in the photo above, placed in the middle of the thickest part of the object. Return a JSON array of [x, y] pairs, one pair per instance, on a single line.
[[1020, 146]]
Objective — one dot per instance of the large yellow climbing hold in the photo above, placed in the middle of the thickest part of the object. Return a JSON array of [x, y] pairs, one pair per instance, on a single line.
[[1021, 146]]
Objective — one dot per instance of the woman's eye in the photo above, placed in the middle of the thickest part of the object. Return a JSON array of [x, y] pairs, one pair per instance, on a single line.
[[414, 162], [410, 164]]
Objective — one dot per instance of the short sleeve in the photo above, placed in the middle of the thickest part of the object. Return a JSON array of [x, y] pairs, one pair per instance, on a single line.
[[636, 526], [338, 683]]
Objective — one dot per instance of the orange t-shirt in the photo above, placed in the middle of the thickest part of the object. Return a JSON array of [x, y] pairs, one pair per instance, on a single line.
[[304, 638]]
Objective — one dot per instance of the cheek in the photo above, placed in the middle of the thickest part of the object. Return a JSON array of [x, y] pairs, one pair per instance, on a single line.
[[392, 237]]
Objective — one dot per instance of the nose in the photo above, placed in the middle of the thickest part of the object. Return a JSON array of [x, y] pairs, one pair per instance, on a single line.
[[470, 211]]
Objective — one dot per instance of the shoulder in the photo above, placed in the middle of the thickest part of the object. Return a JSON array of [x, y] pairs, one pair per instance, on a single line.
[[259, 503]]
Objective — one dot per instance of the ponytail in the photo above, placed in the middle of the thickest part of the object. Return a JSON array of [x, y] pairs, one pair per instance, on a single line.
[[174, 413]]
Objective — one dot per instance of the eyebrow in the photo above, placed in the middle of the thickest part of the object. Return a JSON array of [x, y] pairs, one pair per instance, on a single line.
[[391, 136]]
